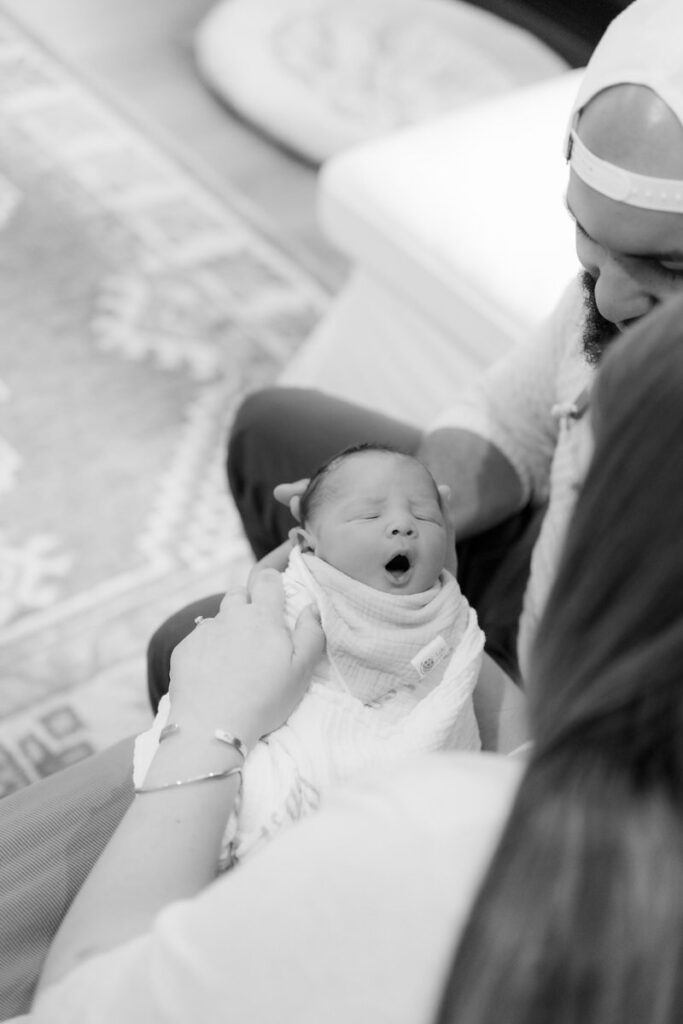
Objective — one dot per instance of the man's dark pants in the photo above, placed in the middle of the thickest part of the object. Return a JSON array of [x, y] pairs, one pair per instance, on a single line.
[[283, 434]]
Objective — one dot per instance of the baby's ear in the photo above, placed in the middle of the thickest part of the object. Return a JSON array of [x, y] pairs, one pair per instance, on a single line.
[[302, 539], [445, 492]]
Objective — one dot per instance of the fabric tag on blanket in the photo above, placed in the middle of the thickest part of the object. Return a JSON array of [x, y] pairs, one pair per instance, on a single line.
[[430, 656]]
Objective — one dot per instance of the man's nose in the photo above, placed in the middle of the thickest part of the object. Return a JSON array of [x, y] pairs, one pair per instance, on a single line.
[[618, 295]]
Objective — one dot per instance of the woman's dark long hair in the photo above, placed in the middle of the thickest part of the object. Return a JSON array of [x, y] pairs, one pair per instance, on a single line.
[[580, 917]]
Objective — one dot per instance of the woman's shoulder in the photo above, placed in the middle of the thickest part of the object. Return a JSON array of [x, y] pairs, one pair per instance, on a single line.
[[465, 779], [453, 771], [405, 844], [442, 795]]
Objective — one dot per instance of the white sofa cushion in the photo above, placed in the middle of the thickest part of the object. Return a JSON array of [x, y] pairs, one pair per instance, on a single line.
[[463, 217]]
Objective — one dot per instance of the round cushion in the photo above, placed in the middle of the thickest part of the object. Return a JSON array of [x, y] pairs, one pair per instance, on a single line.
[[320, 75]]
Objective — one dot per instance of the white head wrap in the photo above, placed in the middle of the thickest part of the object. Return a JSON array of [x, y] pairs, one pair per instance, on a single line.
[[642, 46]]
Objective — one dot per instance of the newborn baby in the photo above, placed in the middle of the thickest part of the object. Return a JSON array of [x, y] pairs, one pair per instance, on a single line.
[[403, 647]]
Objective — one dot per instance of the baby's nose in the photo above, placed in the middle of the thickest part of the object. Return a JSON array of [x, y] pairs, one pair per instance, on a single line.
[[404, 528]]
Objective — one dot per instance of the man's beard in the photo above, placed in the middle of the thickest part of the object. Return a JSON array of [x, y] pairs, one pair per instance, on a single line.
[[598, 333]]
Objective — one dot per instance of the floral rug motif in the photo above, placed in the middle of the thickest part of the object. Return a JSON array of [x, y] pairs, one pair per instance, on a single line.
[[136, 310]]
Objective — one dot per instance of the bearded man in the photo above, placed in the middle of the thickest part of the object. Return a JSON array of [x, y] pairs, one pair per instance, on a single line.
[[514, 450]]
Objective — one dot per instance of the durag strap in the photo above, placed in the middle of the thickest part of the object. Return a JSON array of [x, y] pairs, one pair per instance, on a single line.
[[641, 46], [664, 194]]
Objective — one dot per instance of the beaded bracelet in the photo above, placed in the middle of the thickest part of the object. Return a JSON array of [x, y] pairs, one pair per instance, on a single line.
[[188, 782], [218, 734]]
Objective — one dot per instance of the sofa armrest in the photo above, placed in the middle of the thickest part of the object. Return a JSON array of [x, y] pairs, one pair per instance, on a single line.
[[463, 215]]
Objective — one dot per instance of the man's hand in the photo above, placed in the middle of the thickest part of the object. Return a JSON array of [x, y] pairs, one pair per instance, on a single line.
[[290, 495], [484, 486], [449, 516]]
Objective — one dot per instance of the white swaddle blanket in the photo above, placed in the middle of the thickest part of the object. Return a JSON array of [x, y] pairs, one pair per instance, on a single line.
[[396, 679]]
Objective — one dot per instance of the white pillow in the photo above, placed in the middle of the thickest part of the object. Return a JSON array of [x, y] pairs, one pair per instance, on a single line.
[[320, 75]]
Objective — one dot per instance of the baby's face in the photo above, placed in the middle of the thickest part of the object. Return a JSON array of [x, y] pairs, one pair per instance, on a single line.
[[380, 522]]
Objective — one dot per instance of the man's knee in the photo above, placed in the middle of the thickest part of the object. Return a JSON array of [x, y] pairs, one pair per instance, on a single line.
[[252, 424], [159, 650], [256, 412], [258, 449], [282, 434]]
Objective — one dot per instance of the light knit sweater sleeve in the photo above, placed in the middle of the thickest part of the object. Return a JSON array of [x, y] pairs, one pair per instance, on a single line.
[[511, 404], [351, 915]]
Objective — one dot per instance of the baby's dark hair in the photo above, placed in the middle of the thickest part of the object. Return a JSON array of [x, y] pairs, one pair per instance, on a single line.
[[315, 492]]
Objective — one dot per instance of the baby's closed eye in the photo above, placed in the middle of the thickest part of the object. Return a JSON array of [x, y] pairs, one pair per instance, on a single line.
[[429, 516]]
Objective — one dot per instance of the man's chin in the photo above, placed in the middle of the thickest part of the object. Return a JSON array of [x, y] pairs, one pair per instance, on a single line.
[[598, 333], [594, 347]]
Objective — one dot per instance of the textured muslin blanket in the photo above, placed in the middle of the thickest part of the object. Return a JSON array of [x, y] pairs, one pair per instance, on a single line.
[[396, 679]]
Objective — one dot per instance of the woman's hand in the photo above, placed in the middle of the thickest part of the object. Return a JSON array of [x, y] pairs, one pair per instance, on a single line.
[[276, 559], [242, 671]]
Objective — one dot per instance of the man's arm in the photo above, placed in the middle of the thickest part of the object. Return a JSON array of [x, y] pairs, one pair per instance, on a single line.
[[501, 710], [485, 488], [494, 446]]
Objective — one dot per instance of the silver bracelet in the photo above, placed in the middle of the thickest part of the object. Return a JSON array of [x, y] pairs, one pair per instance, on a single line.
[[188, 782], [232, 741], [219, 734]]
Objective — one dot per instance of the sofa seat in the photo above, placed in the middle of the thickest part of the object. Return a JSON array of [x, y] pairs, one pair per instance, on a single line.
[[460, 245]]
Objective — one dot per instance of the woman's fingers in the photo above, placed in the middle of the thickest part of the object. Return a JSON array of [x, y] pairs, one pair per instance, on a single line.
[[308, 642], [275, 559], [264, 590], [234, 597], [268, 592], [243, 666]]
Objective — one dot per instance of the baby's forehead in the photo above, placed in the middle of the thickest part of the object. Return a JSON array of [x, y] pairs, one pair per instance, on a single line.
[[375, 470]]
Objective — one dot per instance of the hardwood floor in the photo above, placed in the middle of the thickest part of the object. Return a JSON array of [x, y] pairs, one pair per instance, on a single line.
[[140, 56]]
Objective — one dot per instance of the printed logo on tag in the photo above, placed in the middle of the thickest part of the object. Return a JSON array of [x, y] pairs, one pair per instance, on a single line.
[[431, 655]]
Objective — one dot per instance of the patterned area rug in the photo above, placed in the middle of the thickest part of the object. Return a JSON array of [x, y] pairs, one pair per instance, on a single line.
[[135, 312]]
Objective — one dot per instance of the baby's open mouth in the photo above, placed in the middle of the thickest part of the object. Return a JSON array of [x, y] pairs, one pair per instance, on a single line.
[[398, 566]]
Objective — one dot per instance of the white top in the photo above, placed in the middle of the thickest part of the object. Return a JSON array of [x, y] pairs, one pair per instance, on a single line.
[[368, 703], [521, 406], [350, 915]]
